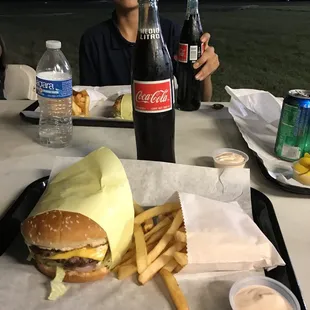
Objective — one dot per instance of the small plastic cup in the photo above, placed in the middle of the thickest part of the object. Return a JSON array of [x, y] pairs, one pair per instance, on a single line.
[[263, 281], [223, 164]]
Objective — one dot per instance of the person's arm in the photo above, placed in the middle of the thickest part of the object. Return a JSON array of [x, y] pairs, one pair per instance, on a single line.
[[207, 64], [89, 76], [207, 89]]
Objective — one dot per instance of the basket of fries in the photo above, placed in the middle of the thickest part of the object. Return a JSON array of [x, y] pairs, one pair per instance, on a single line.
[[80, 103]]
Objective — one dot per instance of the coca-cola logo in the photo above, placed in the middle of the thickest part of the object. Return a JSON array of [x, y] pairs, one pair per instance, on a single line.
[[160, 96], [153, 96]]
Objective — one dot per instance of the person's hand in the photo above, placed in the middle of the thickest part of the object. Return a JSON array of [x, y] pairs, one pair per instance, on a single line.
[[209, 60]]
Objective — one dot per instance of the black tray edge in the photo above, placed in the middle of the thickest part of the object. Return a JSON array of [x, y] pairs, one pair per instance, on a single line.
[[78, 121], [280, 245], [288, 188], [11, 220]]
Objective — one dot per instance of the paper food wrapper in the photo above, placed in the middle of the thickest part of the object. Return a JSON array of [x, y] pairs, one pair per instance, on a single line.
[[257, 115], [96, 187], [222, 237], [94, 94]]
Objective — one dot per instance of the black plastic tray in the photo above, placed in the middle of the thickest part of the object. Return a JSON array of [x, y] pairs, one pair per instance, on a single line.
[[286, 187], [263, 215], [79, 121]]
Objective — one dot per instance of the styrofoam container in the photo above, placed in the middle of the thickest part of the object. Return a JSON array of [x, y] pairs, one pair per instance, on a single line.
[[264, 281], [222, 164]]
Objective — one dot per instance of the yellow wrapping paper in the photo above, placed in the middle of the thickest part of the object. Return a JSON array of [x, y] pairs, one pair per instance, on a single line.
[[97, 187]]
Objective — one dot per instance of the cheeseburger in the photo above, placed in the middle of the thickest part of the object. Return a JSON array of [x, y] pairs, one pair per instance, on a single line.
[[68, 240]]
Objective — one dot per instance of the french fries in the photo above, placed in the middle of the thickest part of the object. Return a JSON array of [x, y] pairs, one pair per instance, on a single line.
[[149, 224], [171, 265], [141, 252], [158, 227], [174, 290], [80, 103], [177, 269], [159, 263], [177, 222], [126, 271], [167, 208], [180, 236], [181, 258], [159, 248], [130, 260], [158, 235]]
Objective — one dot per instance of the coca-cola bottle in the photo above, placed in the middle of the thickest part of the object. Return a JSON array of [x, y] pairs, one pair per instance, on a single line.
[[152, 89], [190, 50]]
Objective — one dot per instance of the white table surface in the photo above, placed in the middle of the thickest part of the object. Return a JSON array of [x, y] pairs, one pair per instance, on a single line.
[[22, 161]]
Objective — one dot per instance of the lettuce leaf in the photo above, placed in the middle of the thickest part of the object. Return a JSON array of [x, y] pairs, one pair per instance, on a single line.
[[58, 289]]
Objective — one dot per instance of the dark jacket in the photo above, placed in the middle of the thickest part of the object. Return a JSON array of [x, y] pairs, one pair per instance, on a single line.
[[105, 56]]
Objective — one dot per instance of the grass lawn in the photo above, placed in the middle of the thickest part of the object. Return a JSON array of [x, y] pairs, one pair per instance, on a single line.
[[264, 47]]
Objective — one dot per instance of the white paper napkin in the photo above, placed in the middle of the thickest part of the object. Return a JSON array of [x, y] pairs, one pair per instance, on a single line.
[[222, 237]]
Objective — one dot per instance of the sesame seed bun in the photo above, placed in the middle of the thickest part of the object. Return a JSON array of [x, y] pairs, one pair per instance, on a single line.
[[74, 276], [62, 230]]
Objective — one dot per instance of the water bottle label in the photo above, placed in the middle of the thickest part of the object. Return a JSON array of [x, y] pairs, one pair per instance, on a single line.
[[153, 97], [183, 53], [54, 89]]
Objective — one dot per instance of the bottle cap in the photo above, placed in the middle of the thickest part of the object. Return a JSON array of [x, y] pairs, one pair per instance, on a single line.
[[54, 45]]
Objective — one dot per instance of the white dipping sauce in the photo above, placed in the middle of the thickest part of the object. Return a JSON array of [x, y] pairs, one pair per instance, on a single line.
[[230, 158], [259, 297]]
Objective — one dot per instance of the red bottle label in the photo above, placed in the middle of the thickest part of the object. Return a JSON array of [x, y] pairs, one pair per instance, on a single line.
[[152, 97], [183, 53]]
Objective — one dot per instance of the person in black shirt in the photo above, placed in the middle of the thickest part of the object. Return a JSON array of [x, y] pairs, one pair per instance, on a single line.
[[106, 49], [2, 68]]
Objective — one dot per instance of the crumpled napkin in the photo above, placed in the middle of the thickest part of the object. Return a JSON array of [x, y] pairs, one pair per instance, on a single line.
[[257, 114], [261, 103]]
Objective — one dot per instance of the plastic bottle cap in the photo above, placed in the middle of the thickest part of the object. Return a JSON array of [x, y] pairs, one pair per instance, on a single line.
[[54, 45]]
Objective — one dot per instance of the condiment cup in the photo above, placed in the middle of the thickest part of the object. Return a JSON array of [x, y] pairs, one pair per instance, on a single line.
[[218, 164], [264, 281]]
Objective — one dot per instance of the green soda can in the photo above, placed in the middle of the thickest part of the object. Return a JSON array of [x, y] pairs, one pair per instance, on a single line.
[[293, 132]]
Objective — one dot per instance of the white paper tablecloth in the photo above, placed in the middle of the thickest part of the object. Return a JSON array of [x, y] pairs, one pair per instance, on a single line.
[[197, 135]]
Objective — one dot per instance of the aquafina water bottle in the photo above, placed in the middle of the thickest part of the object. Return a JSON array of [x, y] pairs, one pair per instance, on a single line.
[[54, 90]]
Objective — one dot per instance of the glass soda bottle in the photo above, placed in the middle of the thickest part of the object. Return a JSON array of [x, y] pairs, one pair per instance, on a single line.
[[153, 89], [190, 50]]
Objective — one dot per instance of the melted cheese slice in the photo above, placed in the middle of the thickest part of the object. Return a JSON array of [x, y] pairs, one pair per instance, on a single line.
[[92, 253]]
